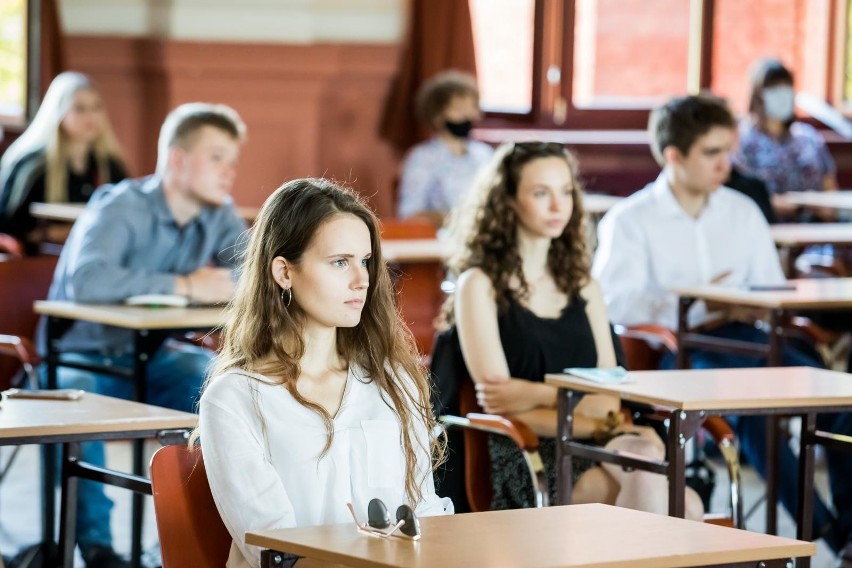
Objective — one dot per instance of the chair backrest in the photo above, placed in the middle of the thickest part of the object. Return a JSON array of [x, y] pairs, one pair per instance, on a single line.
[[477, 463], [407, 229], [22, 282], [644, 346], [191, 531]]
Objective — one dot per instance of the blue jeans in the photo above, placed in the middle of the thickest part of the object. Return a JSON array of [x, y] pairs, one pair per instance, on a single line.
[[751, 431], [175, 376]]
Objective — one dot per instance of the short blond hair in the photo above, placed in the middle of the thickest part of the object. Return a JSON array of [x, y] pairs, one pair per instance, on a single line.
[[185, 121]]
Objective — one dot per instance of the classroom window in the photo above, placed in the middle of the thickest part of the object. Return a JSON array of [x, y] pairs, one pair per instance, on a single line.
[[629, 53], [13, 61], [603, 64], [503, 39]]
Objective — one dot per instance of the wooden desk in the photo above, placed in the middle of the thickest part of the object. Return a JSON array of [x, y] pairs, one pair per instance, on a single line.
[[809, 294], [91, 418], [689, 396], [841, 200], [148, 325], [815, 294], [791, 238], [70, 212], [414, 250], [141, 320], [572, 536]]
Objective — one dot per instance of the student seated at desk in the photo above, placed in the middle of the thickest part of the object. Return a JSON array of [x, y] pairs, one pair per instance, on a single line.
[[525, 305], [67, 151], [437, 172], [154, 235], [785, 154], [317, 398], [686, 229]]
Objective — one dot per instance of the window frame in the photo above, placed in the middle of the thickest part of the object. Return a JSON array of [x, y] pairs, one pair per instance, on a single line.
[[11, 124], [554, 45]]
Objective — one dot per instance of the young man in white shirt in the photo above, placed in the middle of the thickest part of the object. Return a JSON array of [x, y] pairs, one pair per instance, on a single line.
[[687, 229]]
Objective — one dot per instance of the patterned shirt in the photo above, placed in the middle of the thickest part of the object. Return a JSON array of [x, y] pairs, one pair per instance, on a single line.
[[433, 178], [798, 162]]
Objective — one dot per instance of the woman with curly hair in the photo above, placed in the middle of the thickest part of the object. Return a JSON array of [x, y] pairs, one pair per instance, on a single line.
[[525, 305], [318, 398]]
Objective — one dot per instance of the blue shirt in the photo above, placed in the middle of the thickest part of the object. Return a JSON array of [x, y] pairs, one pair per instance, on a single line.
[[126, 243], [433, 178]]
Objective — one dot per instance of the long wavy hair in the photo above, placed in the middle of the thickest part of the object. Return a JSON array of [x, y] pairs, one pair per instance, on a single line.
[[45, 134], [483, 229], [265, 336]]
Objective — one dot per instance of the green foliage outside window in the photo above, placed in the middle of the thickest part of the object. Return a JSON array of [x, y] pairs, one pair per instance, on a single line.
[[13, 57]]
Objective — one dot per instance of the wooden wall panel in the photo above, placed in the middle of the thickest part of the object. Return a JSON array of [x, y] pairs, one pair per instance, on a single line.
[[311, 110]]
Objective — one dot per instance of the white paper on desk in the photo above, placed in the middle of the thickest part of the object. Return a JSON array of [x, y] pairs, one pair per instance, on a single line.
[[611, 376], [156, 300]]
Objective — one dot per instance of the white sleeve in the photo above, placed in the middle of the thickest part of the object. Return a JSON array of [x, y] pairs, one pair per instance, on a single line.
[[248, 491], [765, 264], [430, 504], [621, 267]]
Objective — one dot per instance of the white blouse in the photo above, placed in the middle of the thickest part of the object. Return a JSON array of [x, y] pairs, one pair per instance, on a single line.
[[261, 450], [647, 244]]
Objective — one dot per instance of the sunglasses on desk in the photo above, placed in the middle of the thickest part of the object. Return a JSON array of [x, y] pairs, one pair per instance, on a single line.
[[379, 521]]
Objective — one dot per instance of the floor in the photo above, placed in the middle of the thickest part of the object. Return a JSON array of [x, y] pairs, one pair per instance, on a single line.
[[20, 505]]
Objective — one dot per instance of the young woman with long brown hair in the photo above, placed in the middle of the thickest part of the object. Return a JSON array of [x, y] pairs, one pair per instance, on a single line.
[[317, 398]]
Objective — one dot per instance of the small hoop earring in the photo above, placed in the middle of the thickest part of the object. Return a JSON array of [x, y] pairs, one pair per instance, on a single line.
[[289, 299]]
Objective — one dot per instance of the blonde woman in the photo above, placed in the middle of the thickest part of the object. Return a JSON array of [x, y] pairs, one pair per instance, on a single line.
[[67, 151], [317, 398]]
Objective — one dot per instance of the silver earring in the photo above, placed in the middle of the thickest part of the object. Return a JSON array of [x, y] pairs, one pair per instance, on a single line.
[[289, 299]]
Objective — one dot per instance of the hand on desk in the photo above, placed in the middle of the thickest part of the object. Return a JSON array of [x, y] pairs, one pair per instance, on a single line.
[[207, 285]]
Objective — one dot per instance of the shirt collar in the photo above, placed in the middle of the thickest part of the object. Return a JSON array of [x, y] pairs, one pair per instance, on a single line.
[[668, 205], [152, 186]]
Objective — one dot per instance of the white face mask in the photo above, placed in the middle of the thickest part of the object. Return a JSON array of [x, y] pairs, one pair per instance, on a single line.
[[778, 102]]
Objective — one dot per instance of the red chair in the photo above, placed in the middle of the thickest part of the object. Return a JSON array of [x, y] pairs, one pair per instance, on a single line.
[[644, 347], [191, 531], [477, 463], [22, 282]]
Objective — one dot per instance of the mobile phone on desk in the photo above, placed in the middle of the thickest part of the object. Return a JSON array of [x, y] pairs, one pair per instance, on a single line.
[[772, 287], [45, 394]]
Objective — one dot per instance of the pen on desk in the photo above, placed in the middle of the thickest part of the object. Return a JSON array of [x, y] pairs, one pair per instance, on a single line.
[[772, 287]]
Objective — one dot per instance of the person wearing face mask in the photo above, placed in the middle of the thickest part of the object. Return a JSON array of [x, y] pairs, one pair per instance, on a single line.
[[436, 172], [67, 151], [786, 155]]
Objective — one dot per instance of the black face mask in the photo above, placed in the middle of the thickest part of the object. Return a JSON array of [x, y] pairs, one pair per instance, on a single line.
[[459, 129]]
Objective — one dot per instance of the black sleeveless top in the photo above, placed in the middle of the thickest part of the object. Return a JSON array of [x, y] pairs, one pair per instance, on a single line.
[[535, 346]]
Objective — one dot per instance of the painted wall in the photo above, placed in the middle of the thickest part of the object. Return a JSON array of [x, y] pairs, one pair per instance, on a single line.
[[308, 77]]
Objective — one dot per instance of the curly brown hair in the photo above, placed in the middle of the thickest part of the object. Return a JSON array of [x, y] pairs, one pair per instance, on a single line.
[[260, 326], [483, 229]]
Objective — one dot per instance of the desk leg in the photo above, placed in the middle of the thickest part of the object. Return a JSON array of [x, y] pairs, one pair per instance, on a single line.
[[677, 465], [682, 328], [772, 423], [48, 505], [143, 350], [567, 402], [273, 559], [805, 513], [68, 506]]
